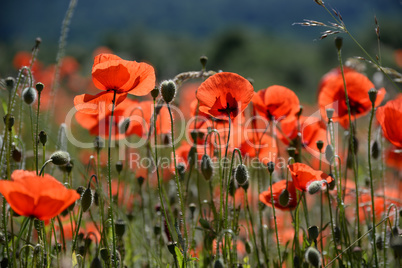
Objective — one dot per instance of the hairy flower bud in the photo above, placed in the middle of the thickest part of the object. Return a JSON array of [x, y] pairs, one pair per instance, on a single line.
[[372, 95], [60, 158], [271, 167], [29, 95], [206, 167], [168, 90], [320, 145], [314, 187], [42, 137], [338, 42], [39, 87], [241, 174], [155, 93], [86, 200], [313, 257], [10, 83]]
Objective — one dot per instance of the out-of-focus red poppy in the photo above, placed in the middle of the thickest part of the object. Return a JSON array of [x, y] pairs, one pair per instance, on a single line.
[[69, 65], [23, 58], [390, 118], [304, 176], [332, 95], [393, 158], [186, 97], [182, 156], [277, 189], [224, 94], [86, 228], [277, 103], [312, 129], [257, 145], [130, 118], [36, 196], [398, 57], [112, 74]]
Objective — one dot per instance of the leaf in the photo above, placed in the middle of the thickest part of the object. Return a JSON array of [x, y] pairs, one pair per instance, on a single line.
[[179, 256], [74, 260]]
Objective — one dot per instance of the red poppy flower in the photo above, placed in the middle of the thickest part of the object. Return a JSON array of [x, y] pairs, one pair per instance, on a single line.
[[252, 143], [35, 196], [277, 190], [390, 118], [332, 95], [398, 57], [393, 158], [224, 94], [112, 74], [137, 116], [312, 130], [277, 103], [304, 177]]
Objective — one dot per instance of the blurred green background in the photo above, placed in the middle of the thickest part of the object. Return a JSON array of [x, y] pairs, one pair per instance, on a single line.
[[254, 38]]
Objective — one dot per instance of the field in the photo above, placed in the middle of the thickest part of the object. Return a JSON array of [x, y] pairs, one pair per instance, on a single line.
[[263, 152]]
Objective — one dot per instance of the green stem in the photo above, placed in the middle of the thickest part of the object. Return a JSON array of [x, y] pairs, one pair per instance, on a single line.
[[351, 137], [77, 229], [36, 135], [110, 180], [178, 185], [276, 225], [372, 185], [252, 230], [158, 177]]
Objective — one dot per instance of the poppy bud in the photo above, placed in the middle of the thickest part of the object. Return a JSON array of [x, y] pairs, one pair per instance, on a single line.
[[168, 90], [204, 223], [330, 113], [69, 167], [232, 187], [155, 93], [206, 167], [271, 167], [124, 125], [314, 187], [192, 156], [320, 145], [192, 207], [29, 95], [313, 232], [181, 169], [241, 174], [96, 263], [16, 155], [313, 257], [86, 200], [375, 150], [284, 198], [140, 180], [39, 87], [338, 42], [98, 143], [218, 264], [372, 95], [157, 230], [9, 121], [120, 227], [104, 252], [292, 151], [171, 247], [329, 153], [248, 247], [203, 60], [246, 185], [119, 166], [42, 137], [60, 158], [80, 190], [379, 242], [319, 2], [10, 82], [96, 198]]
